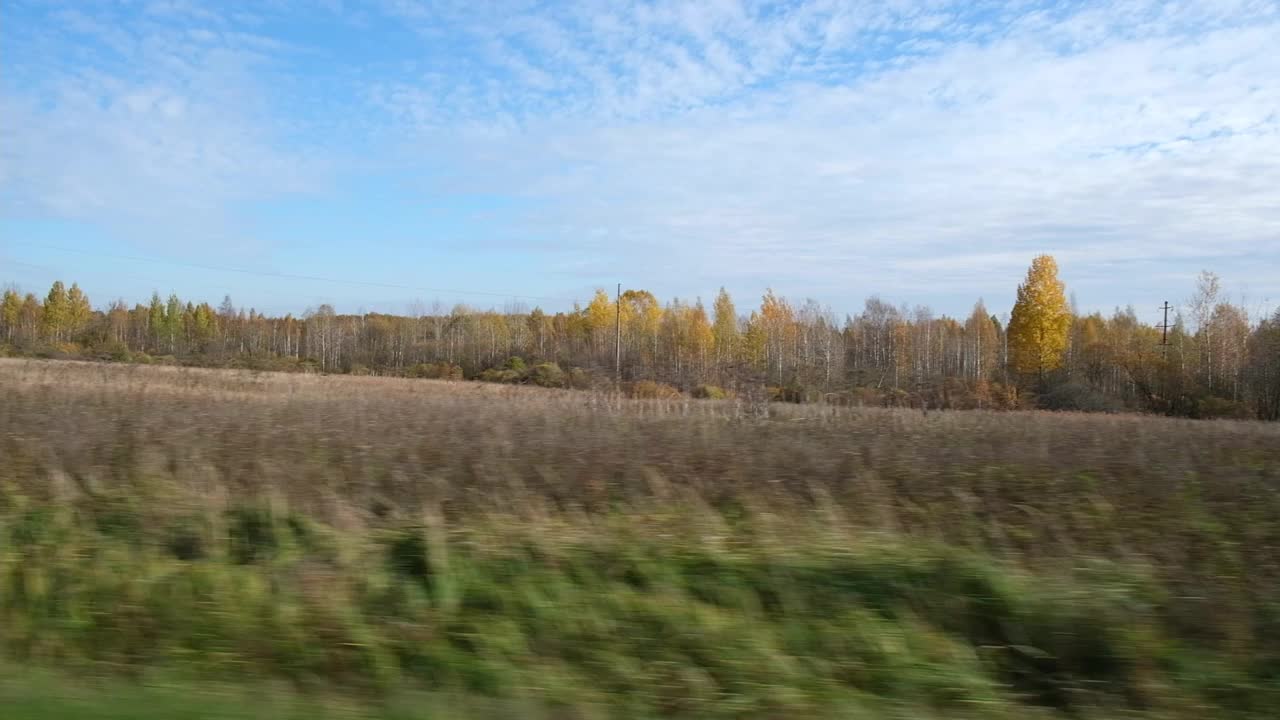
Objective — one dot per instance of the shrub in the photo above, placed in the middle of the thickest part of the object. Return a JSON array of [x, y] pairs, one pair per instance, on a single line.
[[113, 351], [407, 555], [251, 535], [840, 398], [1213, 407], [710, 392], [651, 390], [789, 393], [864, 396], [497, 375], [185, 539], [578, 379], [547, 375], [436, 371], [1006, 397], [287, 364]]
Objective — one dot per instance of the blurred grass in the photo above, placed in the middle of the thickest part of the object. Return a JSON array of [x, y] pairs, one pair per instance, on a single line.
[[46, 697], [27, 694], [366, 540]]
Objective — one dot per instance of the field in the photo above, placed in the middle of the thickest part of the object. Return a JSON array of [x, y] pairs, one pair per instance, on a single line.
[[518, 552]]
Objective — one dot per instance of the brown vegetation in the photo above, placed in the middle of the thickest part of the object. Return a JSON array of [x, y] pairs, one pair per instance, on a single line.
[[484, 470], [350, 449]]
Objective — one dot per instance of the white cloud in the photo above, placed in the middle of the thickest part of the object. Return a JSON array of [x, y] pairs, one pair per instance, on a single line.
[[150, 130], [1118, 133], [920, 149]]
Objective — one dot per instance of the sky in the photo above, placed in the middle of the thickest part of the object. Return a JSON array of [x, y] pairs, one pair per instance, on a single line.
[[374, 154]]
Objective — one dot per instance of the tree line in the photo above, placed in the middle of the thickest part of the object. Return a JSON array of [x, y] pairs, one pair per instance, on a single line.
[[1214, 360]]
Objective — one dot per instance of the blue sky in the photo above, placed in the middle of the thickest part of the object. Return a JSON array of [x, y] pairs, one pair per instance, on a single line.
[[369, 154]]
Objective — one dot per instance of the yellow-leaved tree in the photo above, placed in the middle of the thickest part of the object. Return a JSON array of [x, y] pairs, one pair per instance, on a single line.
[[10, 313], [1041, 320], [601, 316]]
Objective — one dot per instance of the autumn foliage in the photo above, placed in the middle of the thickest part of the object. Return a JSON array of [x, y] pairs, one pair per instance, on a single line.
[[1041, 322], [1217, 361]]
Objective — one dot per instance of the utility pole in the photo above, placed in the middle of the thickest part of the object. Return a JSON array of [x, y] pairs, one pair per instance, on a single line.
[[617, 338], [1162, 377], [1164, 329]]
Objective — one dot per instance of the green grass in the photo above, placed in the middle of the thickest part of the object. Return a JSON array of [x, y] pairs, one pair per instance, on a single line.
[[645, 617], [47, 698], [42, 695]]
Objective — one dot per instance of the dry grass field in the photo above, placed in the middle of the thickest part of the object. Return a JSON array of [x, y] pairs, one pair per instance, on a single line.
[[582, 555]]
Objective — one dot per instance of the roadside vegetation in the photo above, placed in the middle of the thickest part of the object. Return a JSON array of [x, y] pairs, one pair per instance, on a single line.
[[509, 551]]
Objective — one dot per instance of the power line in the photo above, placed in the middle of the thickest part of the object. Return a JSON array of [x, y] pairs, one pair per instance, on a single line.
[[290, 276]]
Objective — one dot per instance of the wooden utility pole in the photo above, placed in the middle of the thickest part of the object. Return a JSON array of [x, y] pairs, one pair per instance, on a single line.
[[1164, 329], [617, 337]]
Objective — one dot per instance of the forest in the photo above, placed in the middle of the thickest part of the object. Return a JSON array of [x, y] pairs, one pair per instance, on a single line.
[[1213, 359]]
